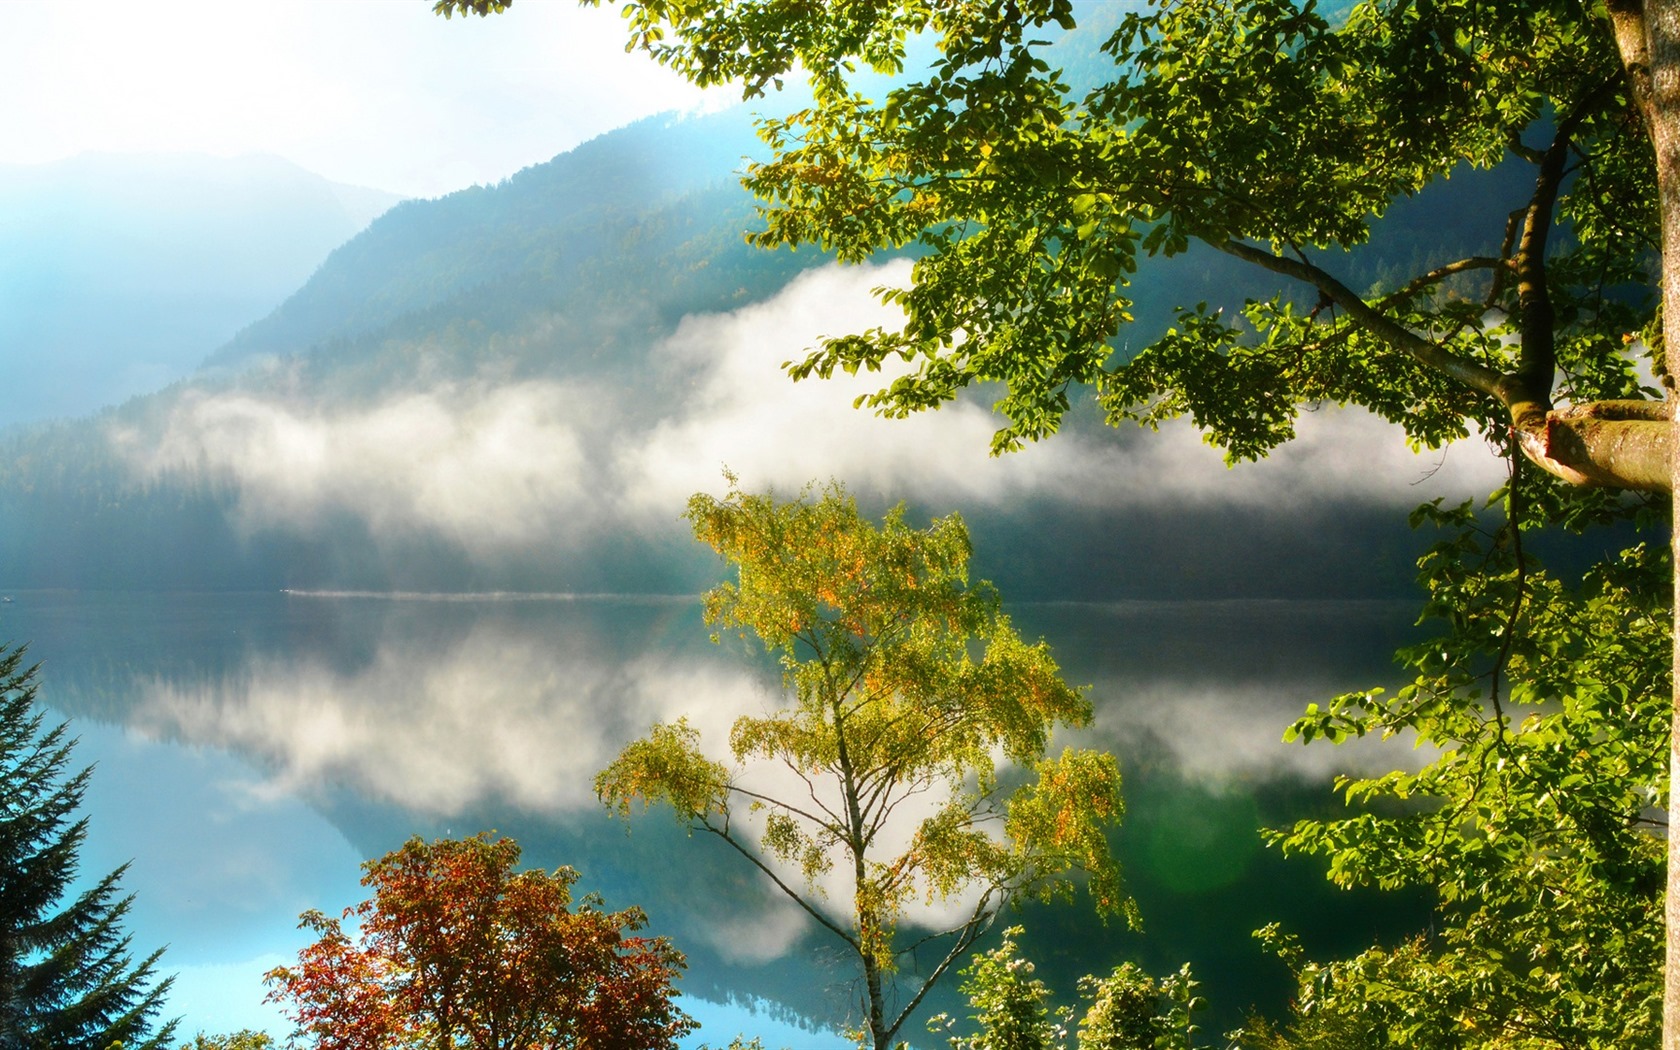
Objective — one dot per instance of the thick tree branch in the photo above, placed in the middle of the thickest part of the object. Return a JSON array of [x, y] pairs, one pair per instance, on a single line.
[[1628, 451], [1536, 318], [1621, 448], [1472, 374]]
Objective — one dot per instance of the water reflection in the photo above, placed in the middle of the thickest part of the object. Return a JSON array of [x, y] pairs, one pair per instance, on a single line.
[[254, 748]]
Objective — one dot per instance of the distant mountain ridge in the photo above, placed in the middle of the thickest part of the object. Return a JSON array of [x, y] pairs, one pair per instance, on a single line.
[[120, 273], [546, 224], [514, 387]]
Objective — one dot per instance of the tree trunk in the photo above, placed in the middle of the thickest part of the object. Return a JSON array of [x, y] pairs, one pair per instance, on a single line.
[[1662, 33]]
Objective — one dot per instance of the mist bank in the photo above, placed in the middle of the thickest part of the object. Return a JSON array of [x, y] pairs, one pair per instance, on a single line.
[[576, 482], [516, 387]]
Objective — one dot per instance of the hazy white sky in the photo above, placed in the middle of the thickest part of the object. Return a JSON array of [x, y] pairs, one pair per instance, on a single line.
[[378, 93]]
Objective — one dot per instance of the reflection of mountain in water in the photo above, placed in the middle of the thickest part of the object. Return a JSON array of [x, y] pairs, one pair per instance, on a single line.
[[396, 717]]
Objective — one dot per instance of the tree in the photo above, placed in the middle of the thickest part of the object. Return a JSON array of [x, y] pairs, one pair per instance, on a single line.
[[67, 978], [906, 681], [457, 950], [1127, 1010], [244, 1039], [1281, 137], [1532, 828]]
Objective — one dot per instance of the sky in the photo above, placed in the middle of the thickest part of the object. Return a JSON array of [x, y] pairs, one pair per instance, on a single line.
[[378, 93]]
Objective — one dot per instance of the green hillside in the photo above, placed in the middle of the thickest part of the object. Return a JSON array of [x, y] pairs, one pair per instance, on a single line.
[[564, 297]]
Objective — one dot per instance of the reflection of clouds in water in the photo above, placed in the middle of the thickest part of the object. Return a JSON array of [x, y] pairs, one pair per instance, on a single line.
[[493, 468], [766, 934], [711, 696], [502, 718], [1211, 733], [524, 713], [713, 702], [493, 716]]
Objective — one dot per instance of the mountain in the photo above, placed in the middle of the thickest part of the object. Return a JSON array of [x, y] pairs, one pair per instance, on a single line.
[[552, 237], [120, 273], [516, 387]]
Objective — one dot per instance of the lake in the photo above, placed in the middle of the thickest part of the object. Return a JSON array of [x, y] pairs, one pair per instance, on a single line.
[[253, 749]]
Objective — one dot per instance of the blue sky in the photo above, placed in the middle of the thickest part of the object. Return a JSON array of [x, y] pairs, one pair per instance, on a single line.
[[379, 93]]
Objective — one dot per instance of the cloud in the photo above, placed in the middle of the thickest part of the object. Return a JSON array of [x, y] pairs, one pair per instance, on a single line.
[[495, 469], [488, 469], [1237, 732], [744, 410]]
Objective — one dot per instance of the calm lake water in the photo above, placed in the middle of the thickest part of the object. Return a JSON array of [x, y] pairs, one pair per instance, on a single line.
[[253, 749]]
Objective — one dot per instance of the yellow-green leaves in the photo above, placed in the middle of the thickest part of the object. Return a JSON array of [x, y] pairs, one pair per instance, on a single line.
[[905, 684], [1064, 816], [667, 767]]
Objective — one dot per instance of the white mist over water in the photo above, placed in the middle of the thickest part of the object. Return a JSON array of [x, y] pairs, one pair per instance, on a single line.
[[493, 469]]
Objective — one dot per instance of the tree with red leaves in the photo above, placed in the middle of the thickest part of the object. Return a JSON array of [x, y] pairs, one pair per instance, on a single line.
[[456, 951]]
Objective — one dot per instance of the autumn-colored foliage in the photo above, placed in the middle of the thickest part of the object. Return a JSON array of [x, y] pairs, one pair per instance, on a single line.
[[457, 951]]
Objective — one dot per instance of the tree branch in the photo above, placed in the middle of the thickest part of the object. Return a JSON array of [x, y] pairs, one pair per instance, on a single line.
[[979, 922], [1584, 449], [776, 803], [1536, 319], [1439, 274], [1471, 373], [1623, 447], [758, 863]]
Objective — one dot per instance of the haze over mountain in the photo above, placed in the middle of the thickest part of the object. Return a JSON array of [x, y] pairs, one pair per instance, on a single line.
[[515, 387], [120, 273]]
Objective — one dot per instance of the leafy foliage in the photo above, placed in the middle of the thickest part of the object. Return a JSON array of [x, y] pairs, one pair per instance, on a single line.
[[244, 1039], [906, 681], [1538, 822], [1127, 1010], [67, 978], [456, 949], [1273, 132], [1281, 135]]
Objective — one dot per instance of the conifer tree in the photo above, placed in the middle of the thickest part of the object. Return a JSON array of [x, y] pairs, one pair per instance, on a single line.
[[67, 978]]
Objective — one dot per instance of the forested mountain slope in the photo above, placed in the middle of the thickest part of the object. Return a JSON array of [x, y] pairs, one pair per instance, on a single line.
[[515, 386]]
